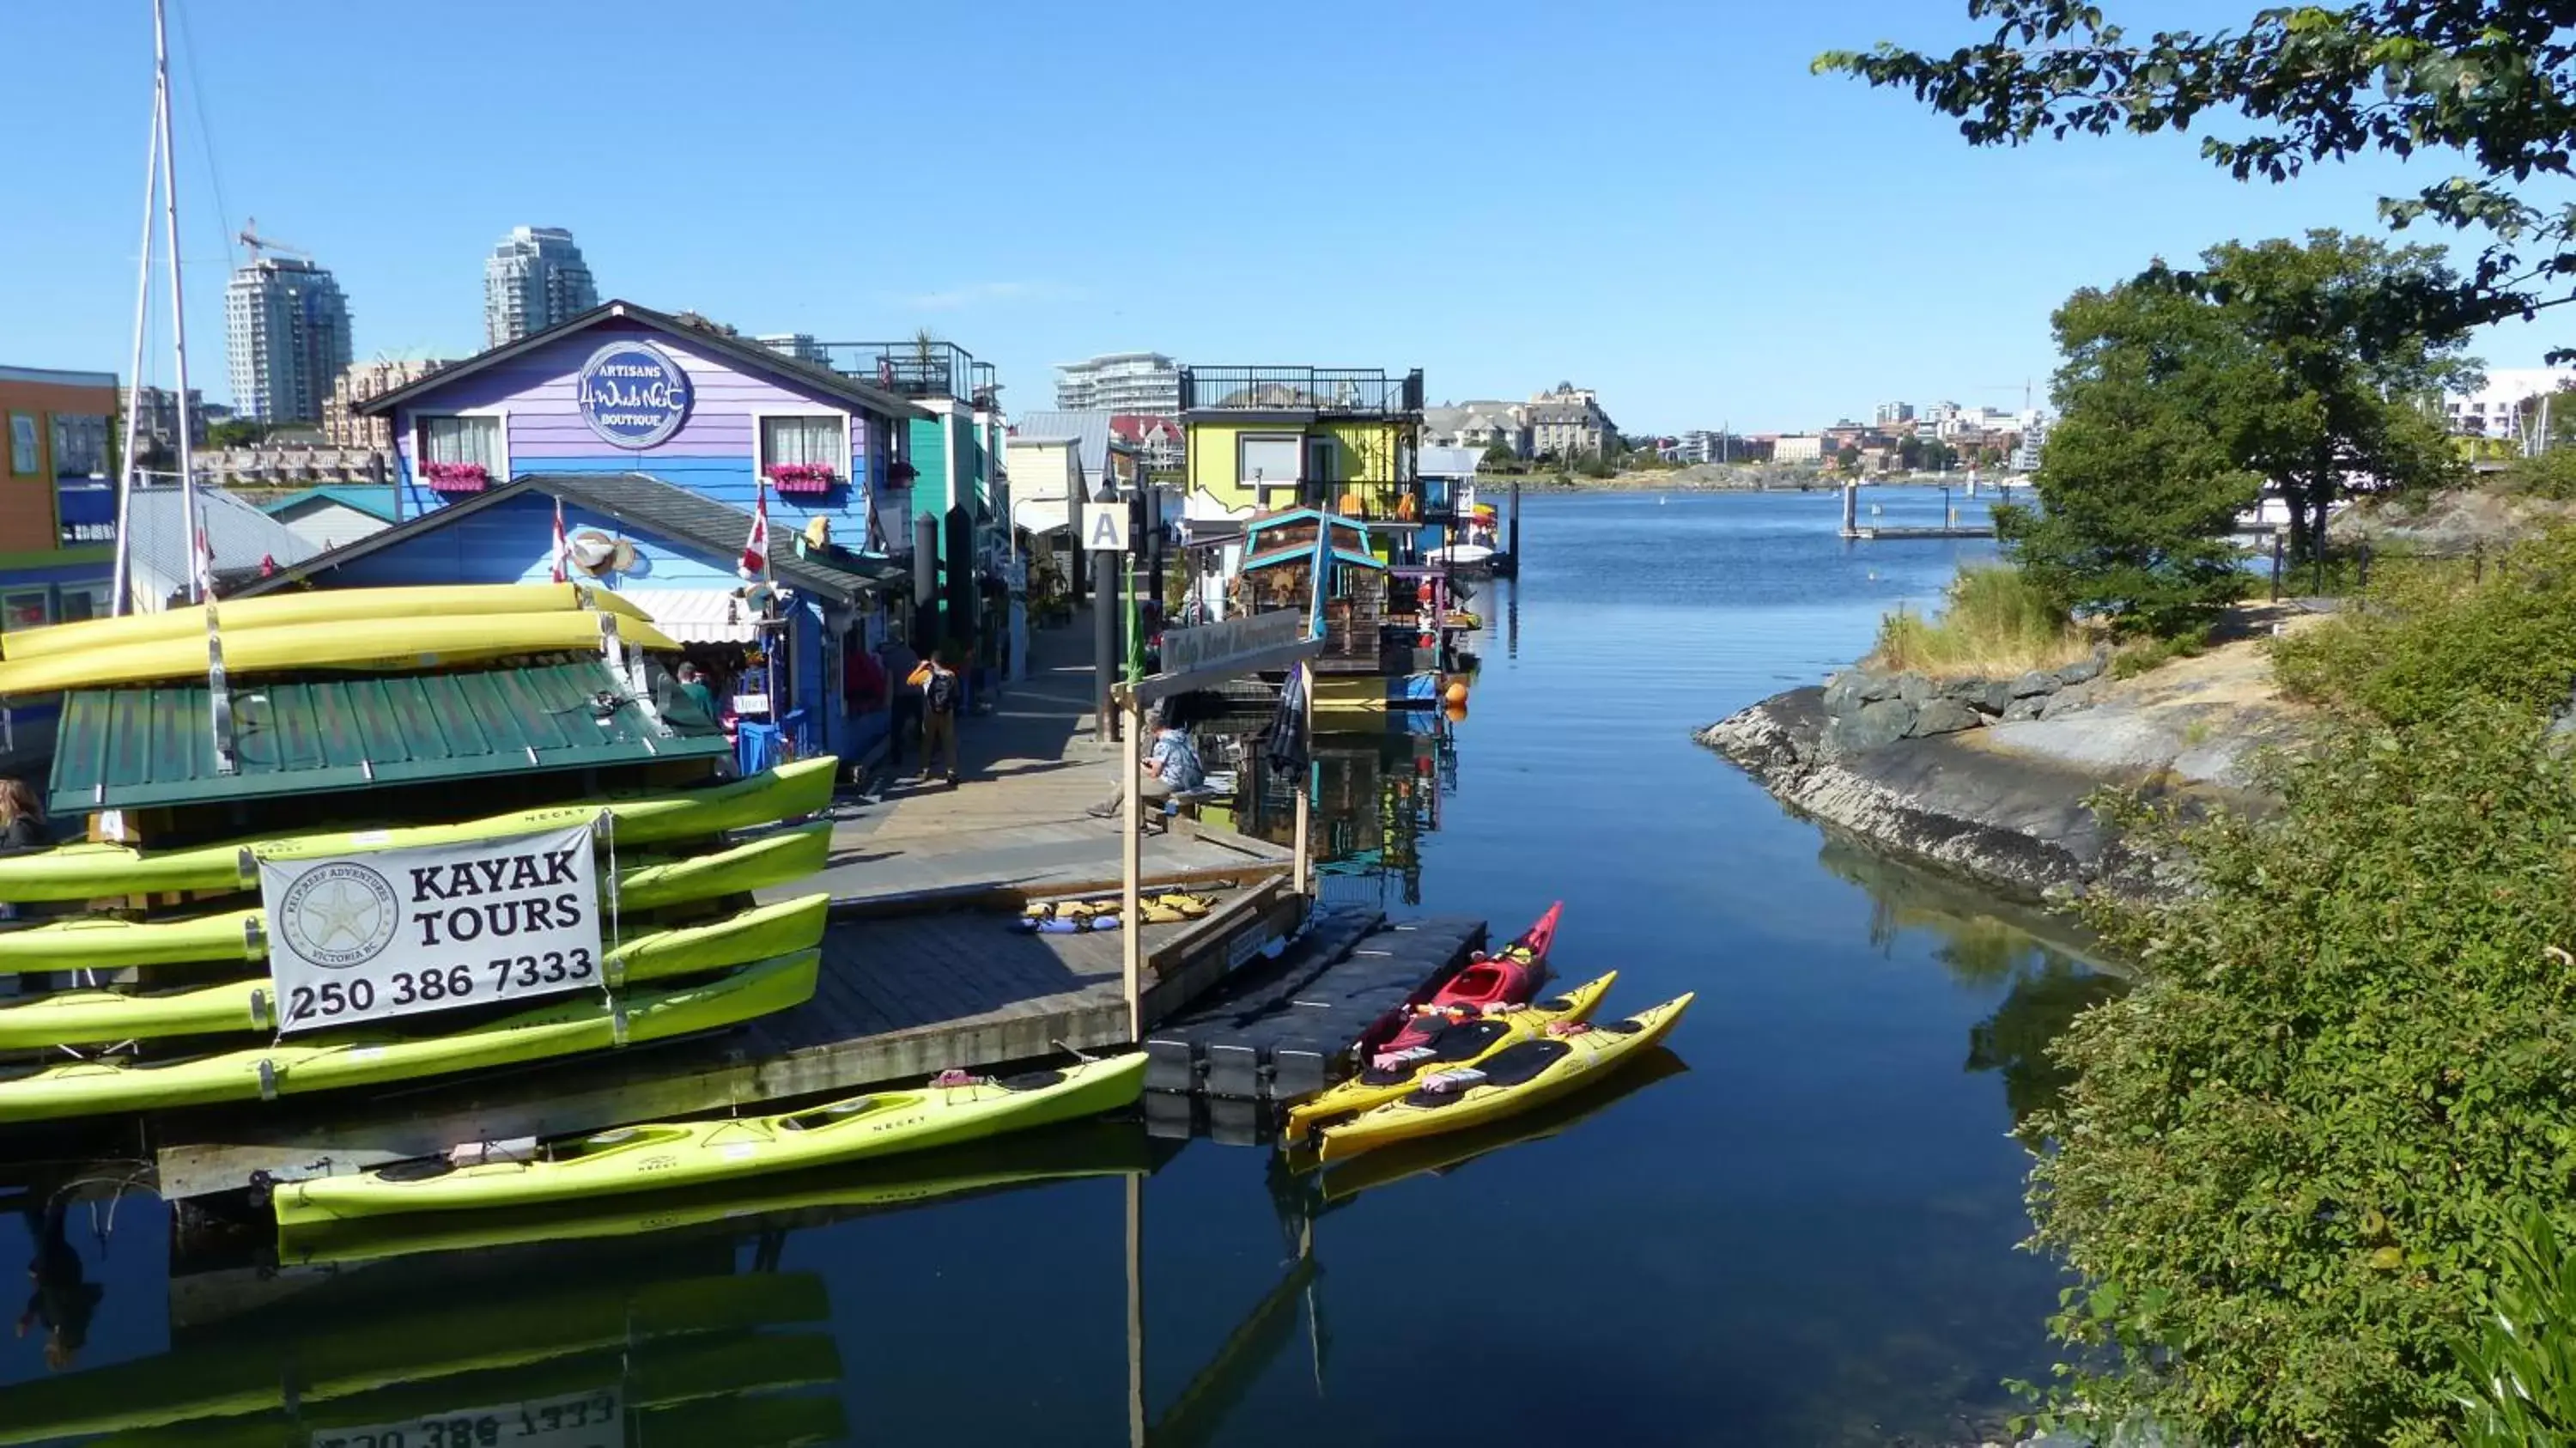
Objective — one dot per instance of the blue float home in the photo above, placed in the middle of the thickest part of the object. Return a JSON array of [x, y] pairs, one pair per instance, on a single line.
[[653, 438]]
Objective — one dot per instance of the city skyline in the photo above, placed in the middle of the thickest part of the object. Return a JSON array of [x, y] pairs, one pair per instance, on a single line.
[[1857, 249]]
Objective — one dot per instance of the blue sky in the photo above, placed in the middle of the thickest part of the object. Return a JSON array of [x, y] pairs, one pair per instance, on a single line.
[[1656, 200]]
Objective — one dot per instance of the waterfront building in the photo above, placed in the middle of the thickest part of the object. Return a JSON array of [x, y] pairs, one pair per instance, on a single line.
[[294, 459], [1568, 423], [58, 514], [657, 439], [335, 514], [2507, 407], [1797, 448], [286, 335], [1119, 382], [800, 346], [1891, 414], [343, 426], [535, 278], [159, 409], [1478, 425], [162, 560], [1159, 441]]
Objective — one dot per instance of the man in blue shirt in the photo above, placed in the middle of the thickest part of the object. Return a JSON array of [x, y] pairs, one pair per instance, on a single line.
[[1170, 767]]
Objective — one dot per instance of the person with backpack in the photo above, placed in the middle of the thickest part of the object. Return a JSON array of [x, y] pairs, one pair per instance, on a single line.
[[941, 692]]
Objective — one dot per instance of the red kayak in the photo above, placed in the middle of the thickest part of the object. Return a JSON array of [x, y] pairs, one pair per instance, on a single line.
[[1509, 976]]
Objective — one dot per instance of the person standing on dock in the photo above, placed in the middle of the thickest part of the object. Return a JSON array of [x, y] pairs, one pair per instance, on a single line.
[[940, 692]]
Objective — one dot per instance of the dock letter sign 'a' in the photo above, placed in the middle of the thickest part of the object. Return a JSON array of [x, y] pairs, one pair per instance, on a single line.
[[1105, 529]]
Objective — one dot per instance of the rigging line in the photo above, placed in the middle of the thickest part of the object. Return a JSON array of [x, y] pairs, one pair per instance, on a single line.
[[205, 134]]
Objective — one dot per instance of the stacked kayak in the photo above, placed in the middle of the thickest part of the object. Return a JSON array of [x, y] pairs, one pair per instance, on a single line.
[[670, 930], [949, 1110], [1564, 1058], [1509, 976]]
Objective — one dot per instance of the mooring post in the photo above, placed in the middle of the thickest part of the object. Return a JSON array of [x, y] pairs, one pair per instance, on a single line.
[[1131, 866], [1305, 678], [1851, 509], [1135, 1308], [1514, 552]]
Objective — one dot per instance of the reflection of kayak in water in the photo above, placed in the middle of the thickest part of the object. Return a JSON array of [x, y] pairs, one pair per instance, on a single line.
[[328, 1356], [592, 1393], [1439, 1155], [1034, 1158]]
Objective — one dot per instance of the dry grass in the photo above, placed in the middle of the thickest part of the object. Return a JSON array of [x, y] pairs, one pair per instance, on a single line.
[[1992, 623]]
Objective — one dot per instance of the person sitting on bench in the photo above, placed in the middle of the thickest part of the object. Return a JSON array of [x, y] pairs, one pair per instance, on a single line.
[[1171, 767]]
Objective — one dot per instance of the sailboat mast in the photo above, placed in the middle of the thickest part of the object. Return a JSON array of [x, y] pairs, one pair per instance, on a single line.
[[123, 583], [178, 300]]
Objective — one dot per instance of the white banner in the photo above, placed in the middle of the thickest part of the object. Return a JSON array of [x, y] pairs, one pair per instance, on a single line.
[[576, 1420], [1209, 645], [368, 936]]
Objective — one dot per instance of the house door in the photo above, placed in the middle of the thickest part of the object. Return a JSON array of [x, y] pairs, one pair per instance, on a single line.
[[1318, 475]]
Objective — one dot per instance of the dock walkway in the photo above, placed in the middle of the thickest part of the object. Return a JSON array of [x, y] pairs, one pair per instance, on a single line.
[[921, 972]]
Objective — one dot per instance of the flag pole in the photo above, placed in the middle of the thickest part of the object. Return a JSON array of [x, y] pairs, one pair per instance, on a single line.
[[125, 476], [178, 301]]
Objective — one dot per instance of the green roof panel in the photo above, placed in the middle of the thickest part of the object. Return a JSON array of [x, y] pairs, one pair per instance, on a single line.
[[131, 748]]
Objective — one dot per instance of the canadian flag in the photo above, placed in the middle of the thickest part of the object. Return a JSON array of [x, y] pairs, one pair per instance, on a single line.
[[205, 564], [563, 550], [755, 549]]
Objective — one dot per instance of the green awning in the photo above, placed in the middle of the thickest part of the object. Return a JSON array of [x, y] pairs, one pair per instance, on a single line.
[[129, 748]]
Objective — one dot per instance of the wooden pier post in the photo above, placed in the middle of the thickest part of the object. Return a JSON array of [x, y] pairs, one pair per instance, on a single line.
[[1135, 1307], [1305, 868], [1131, 868], [1851, 509]]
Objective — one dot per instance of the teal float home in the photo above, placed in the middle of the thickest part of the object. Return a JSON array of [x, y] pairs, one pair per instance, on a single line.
[[654, 439]]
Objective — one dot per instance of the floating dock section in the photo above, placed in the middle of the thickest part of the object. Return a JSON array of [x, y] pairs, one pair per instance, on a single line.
[[1287, 1029]]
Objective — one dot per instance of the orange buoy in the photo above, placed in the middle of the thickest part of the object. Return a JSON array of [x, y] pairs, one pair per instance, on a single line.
[[1457, 696], [1457, 713]]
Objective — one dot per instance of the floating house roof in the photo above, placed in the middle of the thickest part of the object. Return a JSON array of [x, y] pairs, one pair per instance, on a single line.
[[1350, 539]]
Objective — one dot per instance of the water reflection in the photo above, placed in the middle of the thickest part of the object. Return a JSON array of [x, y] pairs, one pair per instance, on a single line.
[[2050, 967], [1374, 794]]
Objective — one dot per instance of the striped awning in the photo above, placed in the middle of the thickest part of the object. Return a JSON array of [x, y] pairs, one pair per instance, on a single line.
[[696, 615]]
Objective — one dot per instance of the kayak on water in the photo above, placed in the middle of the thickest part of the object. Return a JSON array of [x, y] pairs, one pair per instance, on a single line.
[[1507, 976], [93, 1017], [89, 871], [1443, 1154], [1516, 1078], [1452, 1043], [661, 1155]]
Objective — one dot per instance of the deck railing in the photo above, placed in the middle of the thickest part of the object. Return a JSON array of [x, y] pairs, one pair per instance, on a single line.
[[1344, 391], [912, 369]]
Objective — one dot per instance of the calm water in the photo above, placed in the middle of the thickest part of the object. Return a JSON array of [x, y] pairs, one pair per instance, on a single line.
[[1800, 1231]]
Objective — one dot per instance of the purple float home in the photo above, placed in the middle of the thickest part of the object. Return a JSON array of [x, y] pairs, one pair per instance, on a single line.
[[653, 438]]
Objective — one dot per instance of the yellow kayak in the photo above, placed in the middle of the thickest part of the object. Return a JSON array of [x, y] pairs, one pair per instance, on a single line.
[[1102, 1147], [95, 1017], [89, 871], [1520, 1076], [666, 1155], [1460, 1044], [777, 859], [1440, 1155], [348, 605], [421, 643], [366, 1057]]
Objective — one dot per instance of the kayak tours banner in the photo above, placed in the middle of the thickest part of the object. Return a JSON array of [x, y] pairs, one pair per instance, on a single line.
[[367, 936]]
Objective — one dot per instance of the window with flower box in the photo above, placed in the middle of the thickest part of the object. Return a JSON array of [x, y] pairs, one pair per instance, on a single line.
[[462, 454], [805, 453]]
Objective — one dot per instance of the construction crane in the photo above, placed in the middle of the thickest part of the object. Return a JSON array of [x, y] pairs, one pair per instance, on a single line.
[[257, 243]]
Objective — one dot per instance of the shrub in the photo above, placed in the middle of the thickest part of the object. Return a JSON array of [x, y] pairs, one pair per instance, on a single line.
[[2430, 633], [1993, 620], [2279, 1168], [2520, 1361]]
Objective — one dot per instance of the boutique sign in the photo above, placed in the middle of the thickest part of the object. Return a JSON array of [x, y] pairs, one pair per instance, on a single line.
[[633, 395]]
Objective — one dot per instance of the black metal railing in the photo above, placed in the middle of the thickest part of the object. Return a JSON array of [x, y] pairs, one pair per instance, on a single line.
[[1350, 391], [916, 368]]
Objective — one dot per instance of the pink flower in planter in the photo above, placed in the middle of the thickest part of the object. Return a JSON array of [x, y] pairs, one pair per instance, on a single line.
[[801, 477], [458, 477]]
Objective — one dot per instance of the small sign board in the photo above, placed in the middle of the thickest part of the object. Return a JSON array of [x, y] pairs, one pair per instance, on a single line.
[[632, 394], [372, 935], [1104, 527], [1208, 646]]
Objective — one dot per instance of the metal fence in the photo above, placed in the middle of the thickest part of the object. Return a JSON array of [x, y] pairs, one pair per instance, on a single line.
[[1347, 390]]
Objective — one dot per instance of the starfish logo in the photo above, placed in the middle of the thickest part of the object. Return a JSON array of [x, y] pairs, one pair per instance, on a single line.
[[338, 916]]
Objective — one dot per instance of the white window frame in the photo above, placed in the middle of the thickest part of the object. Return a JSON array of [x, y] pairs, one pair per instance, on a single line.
[[420, 442], [760, 437], [1262, 489]]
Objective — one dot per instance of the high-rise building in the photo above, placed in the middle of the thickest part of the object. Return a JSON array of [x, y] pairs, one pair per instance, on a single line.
[[1892, 413], [158, 408], [286, 330], [357, 383], [1120, 382], [533, 279]]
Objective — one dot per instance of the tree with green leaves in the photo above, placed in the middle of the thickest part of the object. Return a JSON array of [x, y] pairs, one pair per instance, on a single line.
[[1499, 455], [2491, 82], [2138, 486], [237, 432], [1847, 458]]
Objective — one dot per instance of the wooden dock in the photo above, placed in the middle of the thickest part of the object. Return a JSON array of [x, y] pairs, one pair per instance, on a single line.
[[1868, 533], [921, 972]]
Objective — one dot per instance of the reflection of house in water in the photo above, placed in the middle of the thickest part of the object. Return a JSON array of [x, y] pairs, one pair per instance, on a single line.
[[1374, 796]]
